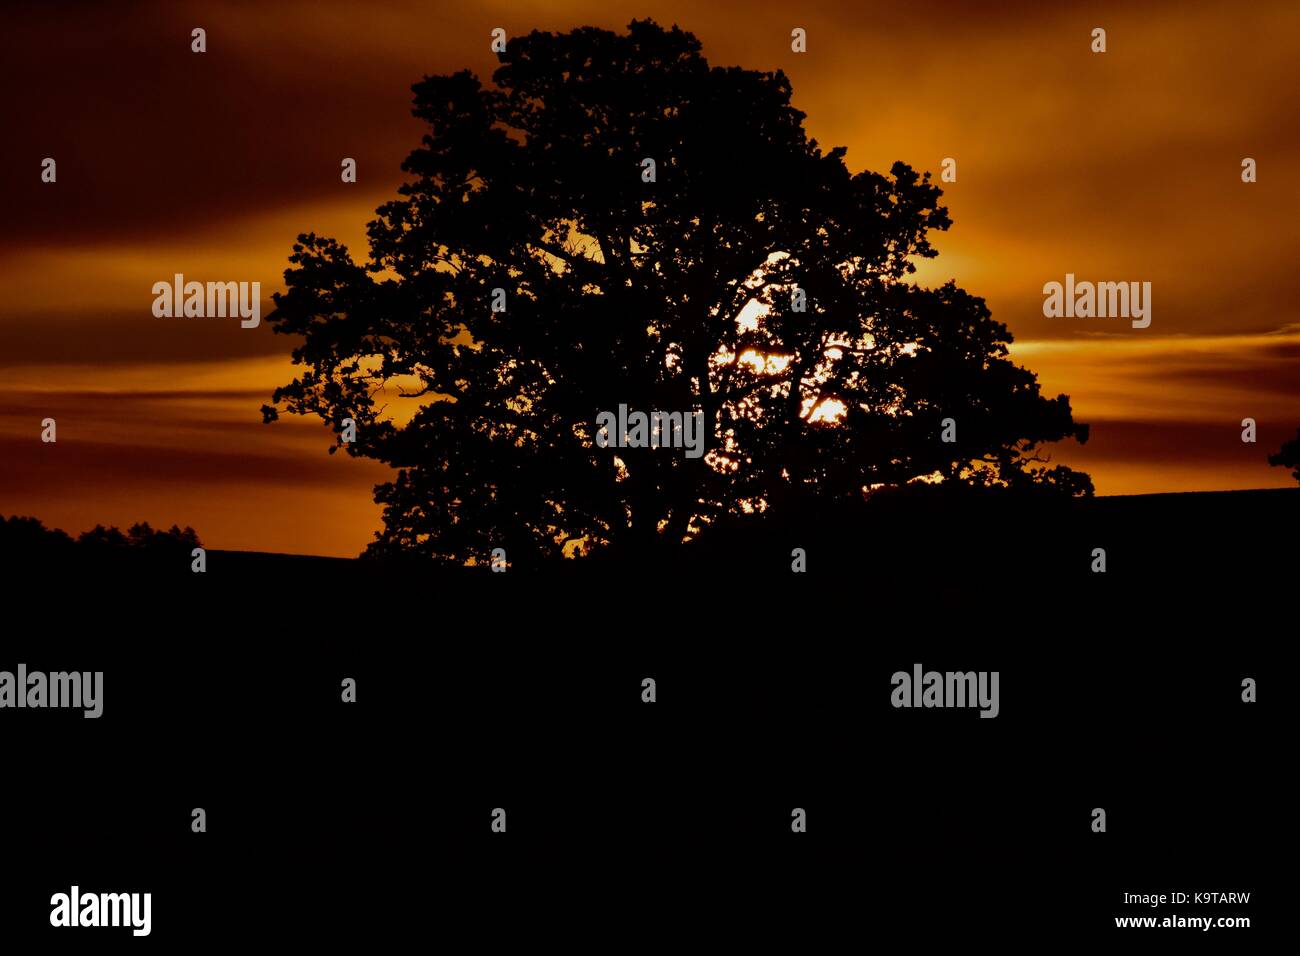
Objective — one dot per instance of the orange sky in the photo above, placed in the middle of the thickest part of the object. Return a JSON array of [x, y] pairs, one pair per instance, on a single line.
[[1122, 166]]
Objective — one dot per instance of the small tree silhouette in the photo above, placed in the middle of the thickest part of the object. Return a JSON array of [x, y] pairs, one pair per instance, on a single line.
[[1288, 456], [674, 292], [101, 539]]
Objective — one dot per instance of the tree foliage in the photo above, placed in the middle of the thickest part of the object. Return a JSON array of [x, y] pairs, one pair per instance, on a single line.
[[1288, 456], [675, 294]]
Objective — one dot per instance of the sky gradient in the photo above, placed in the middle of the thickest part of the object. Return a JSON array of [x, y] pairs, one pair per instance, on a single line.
[[1116, 167]]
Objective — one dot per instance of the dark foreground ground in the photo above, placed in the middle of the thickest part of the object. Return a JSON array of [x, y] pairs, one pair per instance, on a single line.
[[368, 824], [923, 540]]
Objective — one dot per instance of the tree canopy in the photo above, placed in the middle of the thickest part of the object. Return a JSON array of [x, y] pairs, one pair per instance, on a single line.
[[676, 289], [1288, 456]]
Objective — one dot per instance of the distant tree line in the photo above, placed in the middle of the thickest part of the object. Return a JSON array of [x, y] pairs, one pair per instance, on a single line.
[[26, 539]]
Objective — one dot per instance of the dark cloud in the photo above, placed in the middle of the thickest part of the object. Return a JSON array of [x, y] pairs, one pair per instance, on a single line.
[[1271, 377], [82, 466], [153, 140], [122, 338], [1197, 444]]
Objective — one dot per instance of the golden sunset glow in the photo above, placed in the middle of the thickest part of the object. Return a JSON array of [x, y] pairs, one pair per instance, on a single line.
[[1117, 167]]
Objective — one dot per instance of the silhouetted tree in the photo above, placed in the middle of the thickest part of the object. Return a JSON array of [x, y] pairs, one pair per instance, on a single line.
[[162, 546], [1288, 456], [100, 538], [674, 294], [29, 538]]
